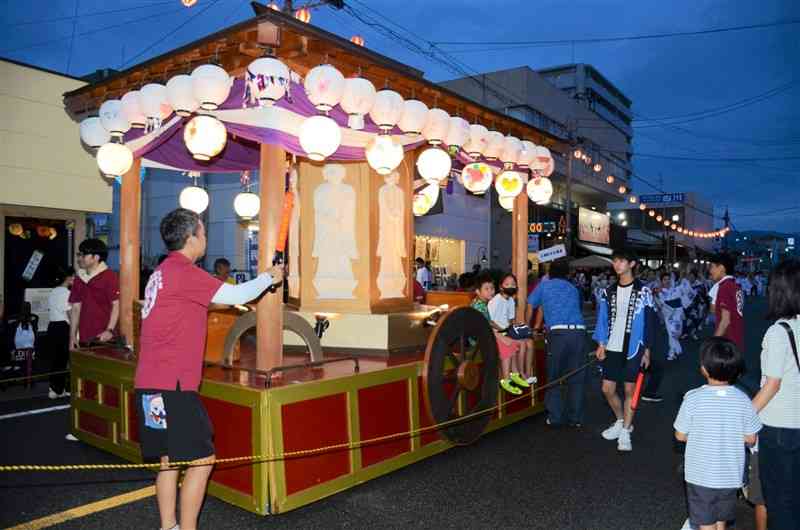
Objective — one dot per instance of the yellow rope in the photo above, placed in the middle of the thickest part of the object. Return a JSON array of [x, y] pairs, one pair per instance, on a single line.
[[301, 453], [31, 377]]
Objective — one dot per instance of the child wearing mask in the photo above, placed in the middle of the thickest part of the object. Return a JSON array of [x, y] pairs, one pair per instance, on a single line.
[[514, 353]]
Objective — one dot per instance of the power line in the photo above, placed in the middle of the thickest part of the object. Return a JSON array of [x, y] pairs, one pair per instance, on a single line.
[[84, 15]]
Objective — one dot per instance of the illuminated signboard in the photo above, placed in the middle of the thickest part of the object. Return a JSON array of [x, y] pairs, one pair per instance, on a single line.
[[593, 226], [542, 228]]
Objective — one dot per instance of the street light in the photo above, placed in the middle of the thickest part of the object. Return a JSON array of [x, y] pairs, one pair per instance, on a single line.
[[676, 218]]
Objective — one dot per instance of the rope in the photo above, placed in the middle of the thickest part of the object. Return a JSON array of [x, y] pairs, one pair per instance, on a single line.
[[257, 459], [31, 377]]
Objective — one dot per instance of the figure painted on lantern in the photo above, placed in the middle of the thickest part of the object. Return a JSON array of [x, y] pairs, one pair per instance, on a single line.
[[334, 235], [391, 238], [294, 238]]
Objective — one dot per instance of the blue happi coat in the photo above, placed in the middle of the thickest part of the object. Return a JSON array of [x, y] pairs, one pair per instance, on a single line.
[[640, 324]]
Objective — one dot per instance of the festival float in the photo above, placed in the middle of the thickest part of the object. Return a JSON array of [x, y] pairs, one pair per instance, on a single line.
[[349, 145]]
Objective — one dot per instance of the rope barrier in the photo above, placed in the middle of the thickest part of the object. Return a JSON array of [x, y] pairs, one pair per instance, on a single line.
[[258, 459], [31, 377]]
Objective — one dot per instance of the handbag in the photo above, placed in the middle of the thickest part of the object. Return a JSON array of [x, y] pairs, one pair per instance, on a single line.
[[792, 341], [520, 331]]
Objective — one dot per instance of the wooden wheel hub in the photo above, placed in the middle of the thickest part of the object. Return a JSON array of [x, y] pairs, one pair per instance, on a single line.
[[469, 375]]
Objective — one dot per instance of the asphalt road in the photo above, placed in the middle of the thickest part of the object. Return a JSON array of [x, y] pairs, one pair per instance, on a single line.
[[525, 476]]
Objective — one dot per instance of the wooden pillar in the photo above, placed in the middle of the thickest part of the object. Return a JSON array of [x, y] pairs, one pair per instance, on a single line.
[[269, 320], [129, 247], [519, 251]]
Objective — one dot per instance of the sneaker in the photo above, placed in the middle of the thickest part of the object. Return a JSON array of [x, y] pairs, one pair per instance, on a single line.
[[71, 438], [612, 433], [576, 425], [52, 394], [518, 380], [532, 380], [652, 398], [65, 394], [624, 440], [550, 423], [506, 385]]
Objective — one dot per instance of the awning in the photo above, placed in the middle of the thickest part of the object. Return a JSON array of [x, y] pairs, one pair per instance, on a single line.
[[596, 249], [593, 261]]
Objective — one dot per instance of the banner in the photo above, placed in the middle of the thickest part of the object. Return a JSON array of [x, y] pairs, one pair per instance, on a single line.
[[593, 226], [552, 253]]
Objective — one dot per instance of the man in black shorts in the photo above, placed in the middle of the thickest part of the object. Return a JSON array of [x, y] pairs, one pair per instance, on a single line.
[[624, 334]]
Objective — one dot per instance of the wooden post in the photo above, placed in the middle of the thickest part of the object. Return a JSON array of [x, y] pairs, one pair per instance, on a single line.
[[129, 248], [269, 320], [519, 251]]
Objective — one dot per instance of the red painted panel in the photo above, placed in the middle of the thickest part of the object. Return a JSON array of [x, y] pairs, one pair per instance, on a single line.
[[383, 410], [93, 424], [540, 356], [518, 403], [133, 418], [425, 419], [89, 390], [310, 424], [110, 396], [233, 436]]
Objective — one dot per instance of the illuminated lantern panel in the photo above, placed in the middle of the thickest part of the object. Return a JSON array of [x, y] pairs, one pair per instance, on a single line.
[[320, 137], [509, 184], [205, 137], [477, 177]]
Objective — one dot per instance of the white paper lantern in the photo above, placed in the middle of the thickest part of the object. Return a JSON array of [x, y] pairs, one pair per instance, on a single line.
[[457, 134], [540, 190], [425, 199], [114, 160], [320, 137], [495, 144], [211, 86], [247, 205], [507, 203], [132, 109], [435, 129], [549, 167], [527, 154], [434, 165], [384, 154], [324, 86], [542, 158], [387, 109], [357, 100], [509, 184], [267, 79], [193, 198], [414, 118], [112, 118], [478, 140], [511, 149], [477, 177], [93, 134], [205, 137], [154, 104], [180, 95]]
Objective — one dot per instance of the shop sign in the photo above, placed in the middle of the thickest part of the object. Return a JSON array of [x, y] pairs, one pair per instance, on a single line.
[[542, 228], [593, 226], [660, 198], [33, 265], [552, 253]]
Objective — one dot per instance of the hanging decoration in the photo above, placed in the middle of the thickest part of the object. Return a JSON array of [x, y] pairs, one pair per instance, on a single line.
[[358, 40], [457, 134], [180, 95], [384, 154], [188, 3], [436, 127], [15, 229], [113, 119], [387, 109], [495, 143], [527, 154], [194, 198], [324, 86], [511, 149], [477, 177], [320, 137], [114, 159], [540, 190], [303, 15], [247, 205], [154, 104], [434, 165], [211, 85], [414, 118], [425, 199], [478, 140], [93, 134], [509, 184], [357, 100], [205, 137], [267, 80], [507, 202], [132, 110]]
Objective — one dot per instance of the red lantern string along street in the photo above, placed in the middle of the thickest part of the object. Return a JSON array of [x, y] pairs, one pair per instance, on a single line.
[[358, 40], [303, 15]]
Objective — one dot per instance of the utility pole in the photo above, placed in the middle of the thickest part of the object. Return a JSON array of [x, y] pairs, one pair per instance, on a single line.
[[727, 219], [570, 155]]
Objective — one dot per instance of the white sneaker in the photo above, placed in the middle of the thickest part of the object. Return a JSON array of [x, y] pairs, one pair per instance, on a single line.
[[612, 433], [624, 440], [65, 394], [52, 394], [532, 380], [71, 438]]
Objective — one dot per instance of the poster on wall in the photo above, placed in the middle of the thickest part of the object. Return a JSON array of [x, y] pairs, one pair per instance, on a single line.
[[38, 298], [593, 227]]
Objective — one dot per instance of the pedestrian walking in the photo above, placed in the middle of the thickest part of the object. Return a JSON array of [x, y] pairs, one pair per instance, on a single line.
[[778, 400], [94, 296], [58, 331], [624, 334], [173, 423], [566, 343]]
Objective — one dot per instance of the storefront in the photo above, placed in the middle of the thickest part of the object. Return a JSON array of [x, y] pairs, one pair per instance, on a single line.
[[445, 255]]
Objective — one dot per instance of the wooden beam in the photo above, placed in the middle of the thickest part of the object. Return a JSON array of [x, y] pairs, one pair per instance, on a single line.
[[269, 318], [519, 251], [129, 248]]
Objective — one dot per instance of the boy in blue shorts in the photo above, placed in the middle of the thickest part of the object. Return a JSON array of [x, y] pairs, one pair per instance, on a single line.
[[715, 421]]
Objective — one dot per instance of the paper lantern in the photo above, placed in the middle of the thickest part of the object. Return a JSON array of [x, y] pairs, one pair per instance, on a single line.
[[666, 222], [495, 143], [114, 159], [598, 167], [511, 149], [540, 190], [478, 140], [180, 95], [457, 134], [267, 80], [651, 213], [414, 118], [205, 137], [436, 127], [642, 206], [15, 229], [659, 218], [387, 109], [93, 134], [320, 137], [112, 118], [542, 160], [53, 233], [303, 15], [358, 40], [132, 109], [507, 203], [154, 104], [673, 226], [527, 154], [578, 154], [549, 167], [610, 179], [384, 154], [188, 3], [324, 86], [193, 198], [509, 184], [274, 6], [425, 199], [211, 86], [247, 205], [434, 165], [622, 189], [477, 177], [632, 199], [357, 99]]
